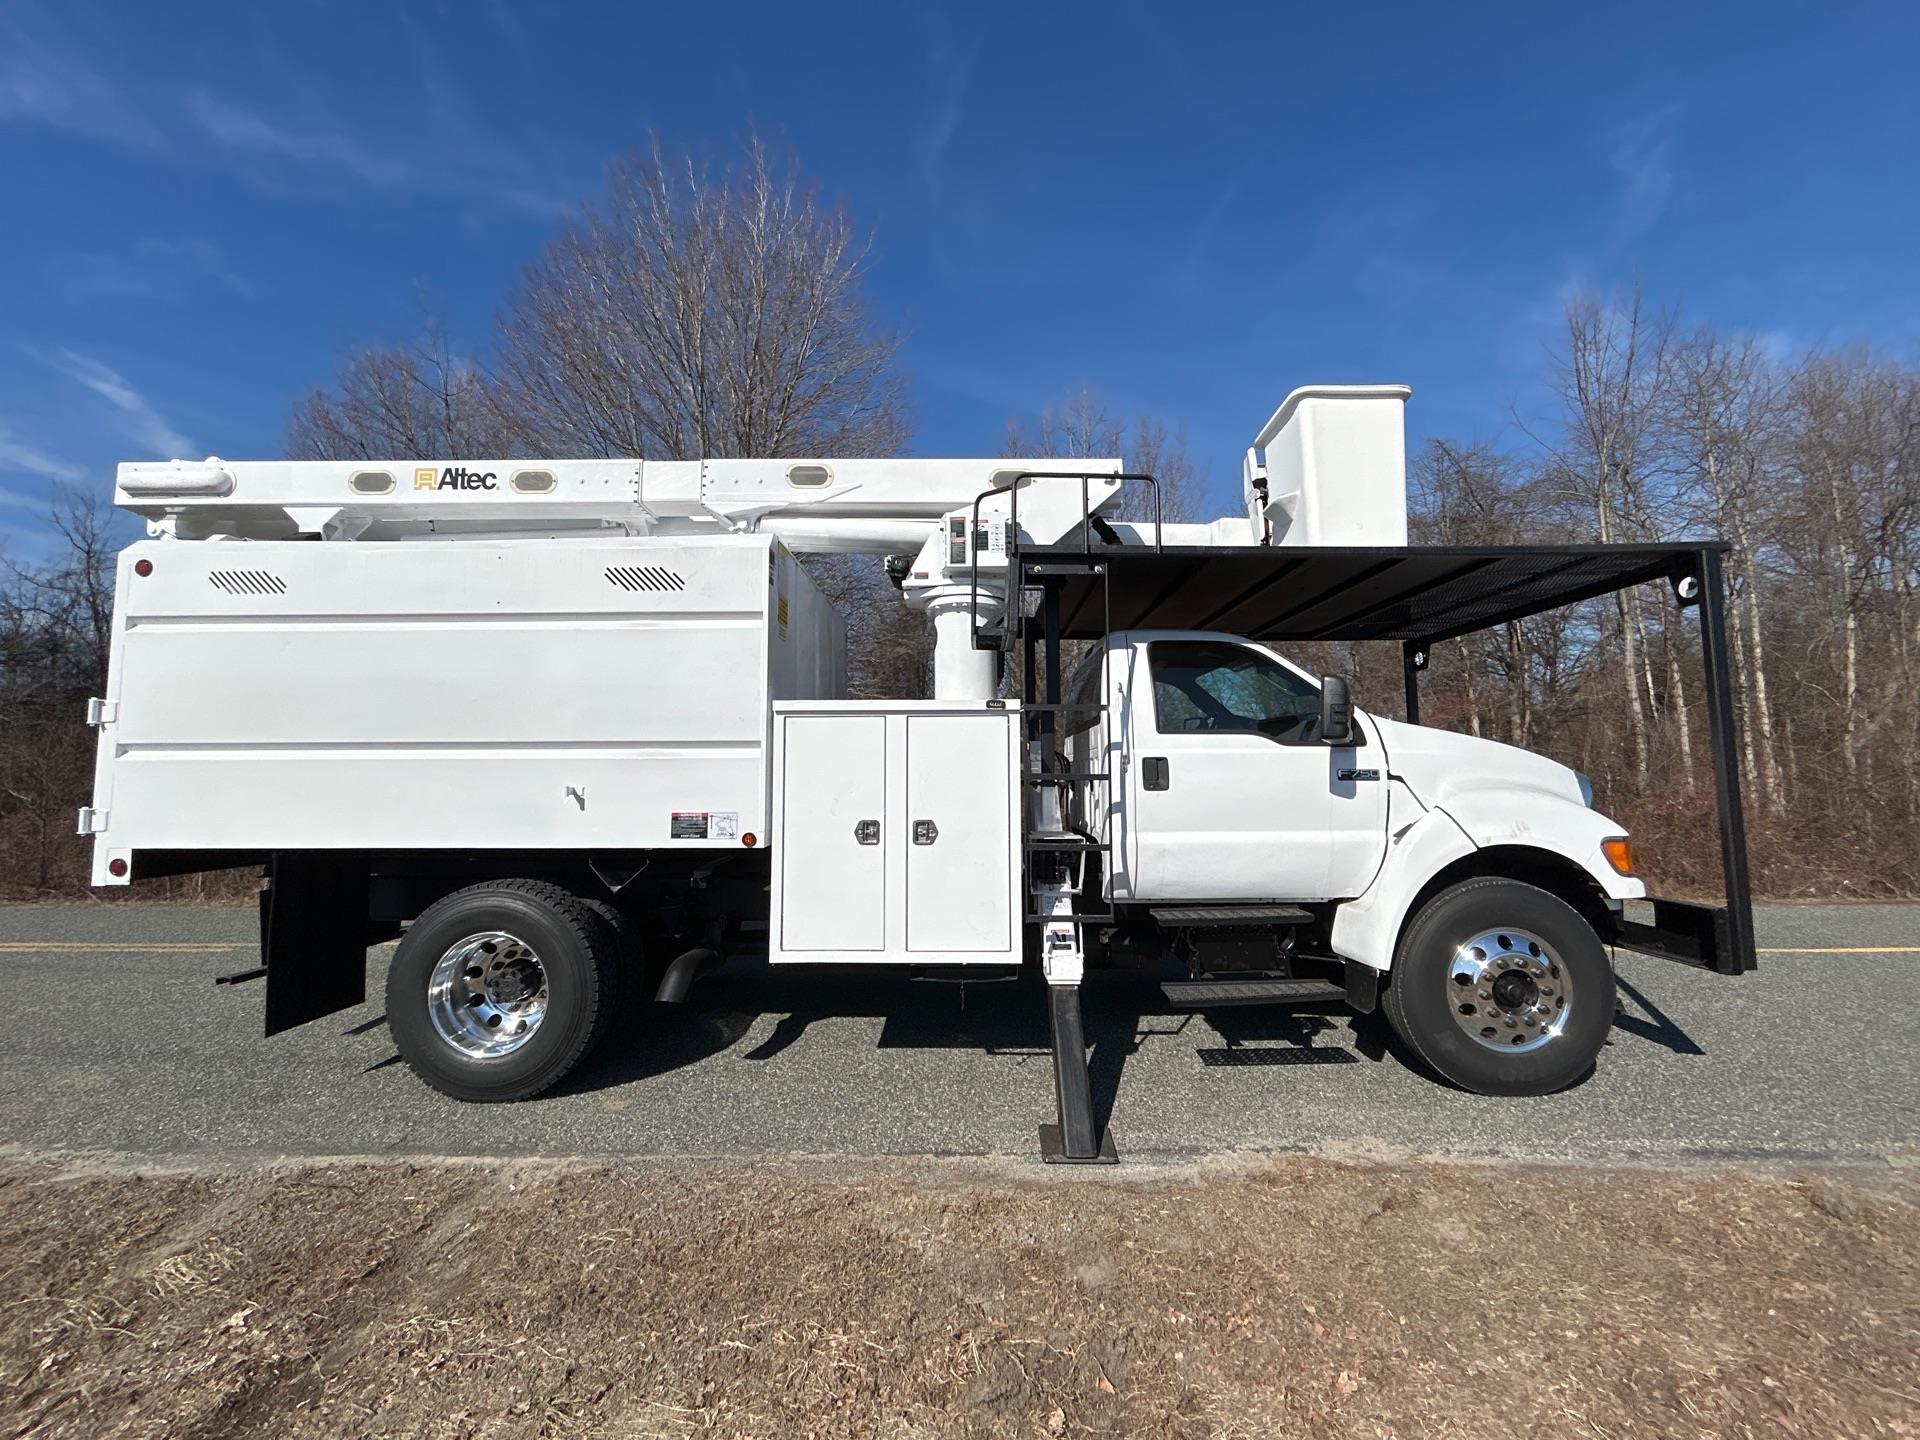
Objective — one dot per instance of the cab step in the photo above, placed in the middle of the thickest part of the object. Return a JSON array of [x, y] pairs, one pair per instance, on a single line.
[[1177, 917], [1201, 994]]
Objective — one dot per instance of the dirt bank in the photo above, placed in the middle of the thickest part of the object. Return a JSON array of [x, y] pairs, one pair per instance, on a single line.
[[1299, 1296]]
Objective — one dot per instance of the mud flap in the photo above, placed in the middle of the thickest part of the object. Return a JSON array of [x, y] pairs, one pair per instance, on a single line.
[[313, 935]]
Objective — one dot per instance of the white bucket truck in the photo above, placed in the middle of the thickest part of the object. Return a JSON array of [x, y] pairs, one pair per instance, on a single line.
[[570, 728]]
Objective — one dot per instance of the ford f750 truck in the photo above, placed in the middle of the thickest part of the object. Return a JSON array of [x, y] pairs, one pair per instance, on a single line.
[[576, 731]]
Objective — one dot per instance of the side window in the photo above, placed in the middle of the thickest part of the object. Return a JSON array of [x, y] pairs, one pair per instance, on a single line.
[[1205, 686], [1089, 691]]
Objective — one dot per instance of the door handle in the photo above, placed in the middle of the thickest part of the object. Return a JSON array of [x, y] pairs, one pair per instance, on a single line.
[[1153, 772], [867, 832], [925, 832]]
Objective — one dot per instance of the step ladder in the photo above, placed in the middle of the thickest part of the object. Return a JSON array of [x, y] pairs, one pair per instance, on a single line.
[[1061, 867]]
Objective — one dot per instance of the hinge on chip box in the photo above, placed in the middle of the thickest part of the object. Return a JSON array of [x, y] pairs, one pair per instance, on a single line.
[[92, 821], [102, 712]]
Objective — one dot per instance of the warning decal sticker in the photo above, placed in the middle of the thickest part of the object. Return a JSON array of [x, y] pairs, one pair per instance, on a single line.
[[688, 825], [723, 825]]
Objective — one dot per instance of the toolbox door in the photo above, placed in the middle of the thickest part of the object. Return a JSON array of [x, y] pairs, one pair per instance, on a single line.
[[832, 852], [959, 840]]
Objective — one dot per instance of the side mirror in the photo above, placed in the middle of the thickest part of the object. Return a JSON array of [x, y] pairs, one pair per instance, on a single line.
[[1336, 711]]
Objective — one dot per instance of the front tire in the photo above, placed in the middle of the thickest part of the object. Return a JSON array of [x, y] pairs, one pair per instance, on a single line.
[[498, 990], [1502, 988]]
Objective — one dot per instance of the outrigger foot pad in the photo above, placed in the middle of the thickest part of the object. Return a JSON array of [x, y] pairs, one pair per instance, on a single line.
[[1053, 1149]]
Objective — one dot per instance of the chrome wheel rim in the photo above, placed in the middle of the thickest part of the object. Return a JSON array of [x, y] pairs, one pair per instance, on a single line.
[[1509, 991], [488, 995]]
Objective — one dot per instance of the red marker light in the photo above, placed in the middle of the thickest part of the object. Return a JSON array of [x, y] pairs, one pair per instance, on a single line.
[[143, 567], [748, 840], [116, 868]]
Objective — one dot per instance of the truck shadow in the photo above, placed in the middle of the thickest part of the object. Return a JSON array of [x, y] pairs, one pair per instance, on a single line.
[[1124, 1012], [1657, 1026], [995, 1017], [999, 1018]]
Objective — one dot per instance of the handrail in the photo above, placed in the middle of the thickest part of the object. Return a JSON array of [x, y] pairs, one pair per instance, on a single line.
[[1012, 492]]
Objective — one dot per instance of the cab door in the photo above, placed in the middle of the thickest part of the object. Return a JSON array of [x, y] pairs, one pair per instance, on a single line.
[[1230, 793]]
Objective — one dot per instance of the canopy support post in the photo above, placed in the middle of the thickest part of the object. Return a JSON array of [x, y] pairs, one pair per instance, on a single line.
[[1739, 955]]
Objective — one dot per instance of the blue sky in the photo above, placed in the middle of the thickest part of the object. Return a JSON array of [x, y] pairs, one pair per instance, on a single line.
[[1194, 207]]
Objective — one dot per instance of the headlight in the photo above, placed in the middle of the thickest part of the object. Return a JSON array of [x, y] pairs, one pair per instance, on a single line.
[[1586, 789]]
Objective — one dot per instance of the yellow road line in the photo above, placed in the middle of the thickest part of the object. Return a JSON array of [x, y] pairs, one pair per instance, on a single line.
[[20, 947], [1842, 950]]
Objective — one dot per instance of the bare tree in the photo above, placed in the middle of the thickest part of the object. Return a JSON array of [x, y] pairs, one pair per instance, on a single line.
[[689, 314], [1727, 416], [411, 401], [56, 622], [1083, 425], [697, 313], [1611, 382]]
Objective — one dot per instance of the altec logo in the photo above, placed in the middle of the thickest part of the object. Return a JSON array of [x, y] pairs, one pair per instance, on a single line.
[[454, 477]]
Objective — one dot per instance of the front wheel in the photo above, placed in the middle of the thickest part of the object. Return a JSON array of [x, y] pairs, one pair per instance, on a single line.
[[497, 991], [1502, 988]]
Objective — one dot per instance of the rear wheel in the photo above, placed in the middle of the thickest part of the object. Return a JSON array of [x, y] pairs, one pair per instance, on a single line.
[[1502, 988], [499, 990]]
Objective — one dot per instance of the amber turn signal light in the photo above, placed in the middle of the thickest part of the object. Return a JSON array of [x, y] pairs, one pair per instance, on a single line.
[[748, 840], [1619, 852]]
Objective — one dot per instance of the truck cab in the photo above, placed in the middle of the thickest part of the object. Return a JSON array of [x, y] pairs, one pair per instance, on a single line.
[[1226, 786], [1235, 785]]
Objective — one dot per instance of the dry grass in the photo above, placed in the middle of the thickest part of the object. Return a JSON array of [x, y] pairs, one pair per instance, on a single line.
[[1303, 1296]]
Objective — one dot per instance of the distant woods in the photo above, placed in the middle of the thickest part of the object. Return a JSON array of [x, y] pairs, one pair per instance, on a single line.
[[1809, 464], [719, 310]]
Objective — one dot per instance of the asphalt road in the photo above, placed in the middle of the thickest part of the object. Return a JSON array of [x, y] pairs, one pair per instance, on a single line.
[[117, 1037]]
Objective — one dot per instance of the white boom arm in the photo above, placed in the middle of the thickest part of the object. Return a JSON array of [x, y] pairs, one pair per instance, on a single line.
[[1328, 469], [920, 508], [870, 506]]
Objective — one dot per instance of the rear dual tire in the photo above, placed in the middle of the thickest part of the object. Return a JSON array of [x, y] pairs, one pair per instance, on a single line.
[[1502, 988], [497, 991]]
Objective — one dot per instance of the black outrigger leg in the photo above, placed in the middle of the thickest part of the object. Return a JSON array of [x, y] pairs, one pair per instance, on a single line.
[[1075, 1139]]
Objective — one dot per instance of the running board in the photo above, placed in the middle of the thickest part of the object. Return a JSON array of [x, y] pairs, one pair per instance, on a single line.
[[1176, 917], [1203, 994]]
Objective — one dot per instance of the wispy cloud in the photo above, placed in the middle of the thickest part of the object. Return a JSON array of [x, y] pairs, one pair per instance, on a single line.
[[137, 417], [245, 133], [1640, 153], [445, 150], [937, 129], [156, 268], [46, 82], [20, 458], [1190, 271], [952, 69], [474, 169]]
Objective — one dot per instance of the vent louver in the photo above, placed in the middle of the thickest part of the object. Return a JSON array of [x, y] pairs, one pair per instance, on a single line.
[[644, 577], [247, 582]]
